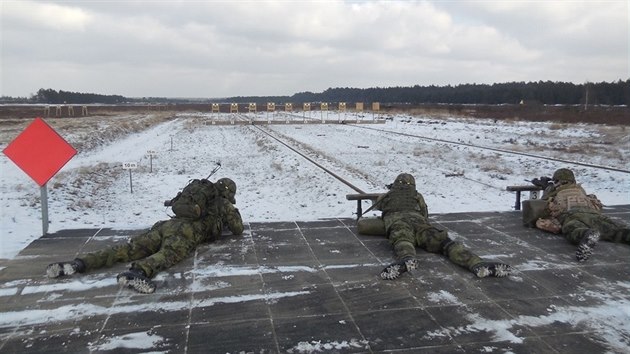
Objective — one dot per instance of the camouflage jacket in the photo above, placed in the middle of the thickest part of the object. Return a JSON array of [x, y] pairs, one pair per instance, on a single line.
[[402, 199], [568, 197], [227, 215]]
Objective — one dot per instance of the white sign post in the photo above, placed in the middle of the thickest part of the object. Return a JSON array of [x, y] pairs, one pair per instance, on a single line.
[[151, 153], [130, 166]]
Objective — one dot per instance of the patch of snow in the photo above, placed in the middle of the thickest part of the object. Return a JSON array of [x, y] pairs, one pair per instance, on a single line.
[[136, 340], [316, 346]]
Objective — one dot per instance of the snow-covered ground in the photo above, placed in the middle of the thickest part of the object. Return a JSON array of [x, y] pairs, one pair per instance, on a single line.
[[274, 183]]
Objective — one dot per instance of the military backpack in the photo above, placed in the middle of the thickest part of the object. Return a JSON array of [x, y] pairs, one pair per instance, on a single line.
[[194, 200]]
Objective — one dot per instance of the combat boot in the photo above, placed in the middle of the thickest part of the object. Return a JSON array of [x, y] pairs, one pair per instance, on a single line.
[[491, 269], [137, 280], [56, 270], [588, 242], [395, 269]]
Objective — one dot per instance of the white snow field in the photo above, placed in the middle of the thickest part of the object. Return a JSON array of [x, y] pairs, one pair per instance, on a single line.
[[276, 184]]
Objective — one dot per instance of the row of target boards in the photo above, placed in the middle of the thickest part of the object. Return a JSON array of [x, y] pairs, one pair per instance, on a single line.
[[288, 107]]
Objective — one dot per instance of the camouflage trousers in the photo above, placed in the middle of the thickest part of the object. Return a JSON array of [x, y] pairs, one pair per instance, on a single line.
[[576, 223], [408, 230], [164, 245]]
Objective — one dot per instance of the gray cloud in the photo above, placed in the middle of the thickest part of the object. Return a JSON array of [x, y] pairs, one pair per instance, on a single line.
[[228, 48]]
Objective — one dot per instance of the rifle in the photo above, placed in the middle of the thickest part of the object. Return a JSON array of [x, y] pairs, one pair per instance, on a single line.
[[216, 168], [378, 201], [542, 182], [370, 208]]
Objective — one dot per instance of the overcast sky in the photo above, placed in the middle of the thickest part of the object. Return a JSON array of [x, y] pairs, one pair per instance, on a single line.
[[242, 48]]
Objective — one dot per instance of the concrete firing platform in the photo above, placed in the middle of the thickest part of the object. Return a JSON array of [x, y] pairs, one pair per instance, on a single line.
[[302, 287]]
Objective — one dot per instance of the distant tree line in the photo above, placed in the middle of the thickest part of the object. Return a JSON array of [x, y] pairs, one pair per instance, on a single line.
[[541, 92], [58, 97], [50, 96]]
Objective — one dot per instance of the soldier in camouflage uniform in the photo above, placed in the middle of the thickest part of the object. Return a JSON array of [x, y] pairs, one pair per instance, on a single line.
[[164, 245], [578, 216], [227, 189], [191, 201], [405, 215]]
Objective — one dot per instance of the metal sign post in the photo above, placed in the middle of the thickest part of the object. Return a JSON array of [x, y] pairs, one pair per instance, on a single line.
[[130, 166], [151, 153], [44, 200]]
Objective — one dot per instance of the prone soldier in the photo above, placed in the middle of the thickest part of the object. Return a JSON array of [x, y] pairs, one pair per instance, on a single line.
[[405, 222], [167, 243], [577, 216]]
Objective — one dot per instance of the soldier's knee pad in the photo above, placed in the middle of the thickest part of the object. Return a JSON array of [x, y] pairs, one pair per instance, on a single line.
[[448, 245], [445, 244]]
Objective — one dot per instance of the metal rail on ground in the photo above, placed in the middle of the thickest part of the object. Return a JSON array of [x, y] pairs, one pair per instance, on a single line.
[[498, 150], [341, 179]]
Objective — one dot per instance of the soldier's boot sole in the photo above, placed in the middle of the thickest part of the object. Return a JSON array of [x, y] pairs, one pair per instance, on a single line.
[[487, 269], [585, 248], [395, 270], [56, 270], [136, 282]]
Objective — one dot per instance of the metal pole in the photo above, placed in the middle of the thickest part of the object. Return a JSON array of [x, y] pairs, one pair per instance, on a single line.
[[130, 182], [44, 199]]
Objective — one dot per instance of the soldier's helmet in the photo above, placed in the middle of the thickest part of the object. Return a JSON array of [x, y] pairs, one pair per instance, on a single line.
[[227, 189], [563, 175], [405, 179]]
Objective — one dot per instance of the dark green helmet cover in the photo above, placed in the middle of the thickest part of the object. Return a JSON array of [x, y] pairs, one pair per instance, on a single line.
[[405, 178], [564, 175], [227, 188]]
